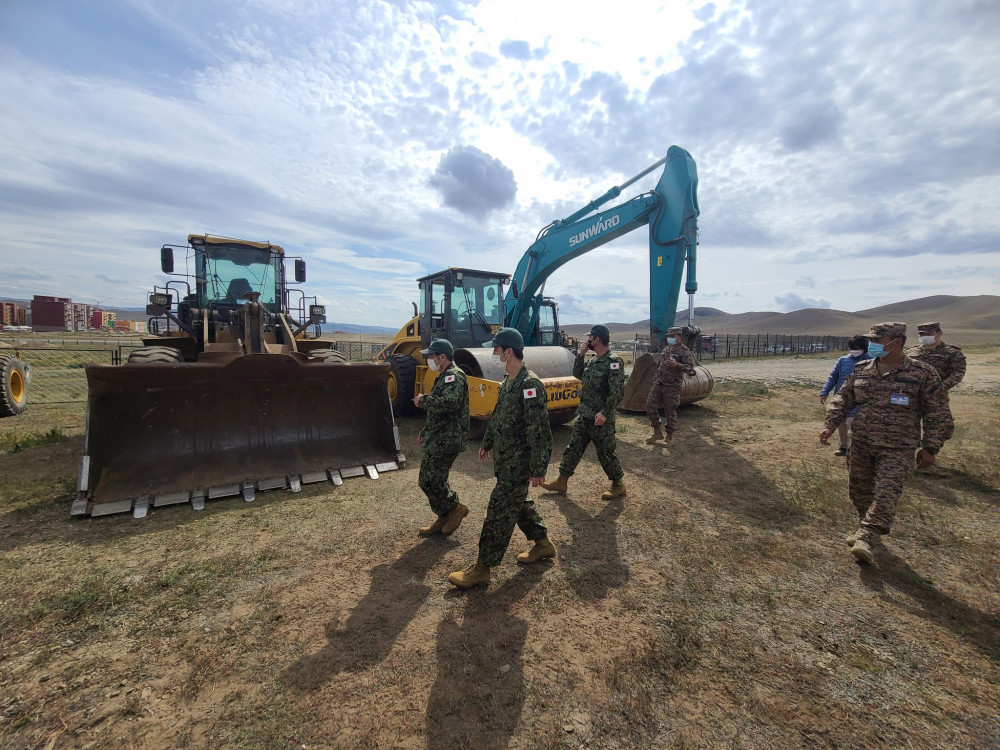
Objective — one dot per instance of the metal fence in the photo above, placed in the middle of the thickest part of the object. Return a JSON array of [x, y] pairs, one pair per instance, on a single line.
[[737, 345], [57, 372], [358, 351]]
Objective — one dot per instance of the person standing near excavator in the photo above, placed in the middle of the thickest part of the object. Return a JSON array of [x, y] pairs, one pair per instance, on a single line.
[[445, 434], [603, 386], [520, 438], [676, 360], [947, 359]]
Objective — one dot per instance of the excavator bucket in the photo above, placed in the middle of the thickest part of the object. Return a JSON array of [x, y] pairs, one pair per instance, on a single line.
[[162, 433], [693, 387]]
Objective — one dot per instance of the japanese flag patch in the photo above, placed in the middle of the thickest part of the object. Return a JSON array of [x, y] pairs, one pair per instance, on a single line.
[[615, 365], [449, 378], [530, 392]]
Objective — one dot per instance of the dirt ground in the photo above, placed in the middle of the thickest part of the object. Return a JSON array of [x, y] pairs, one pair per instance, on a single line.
[[716, 606]]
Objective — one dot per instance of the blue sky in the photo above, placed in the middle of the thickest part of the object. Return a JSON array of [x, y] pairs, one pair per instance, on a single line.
[[848, 153]]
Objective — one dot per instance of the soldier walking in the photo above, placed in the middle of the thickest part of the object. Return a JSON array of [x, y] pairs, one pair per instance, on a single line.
[[520, 439], [947, 359], [896, 396], [603, 386], [445, 434], [676, 360]]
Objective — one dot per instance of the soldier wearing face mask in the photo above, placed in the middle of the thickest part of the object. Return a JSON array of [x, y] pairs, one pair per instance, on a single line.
[[445, 434], [901, 408], [676, 360], [947, 359]]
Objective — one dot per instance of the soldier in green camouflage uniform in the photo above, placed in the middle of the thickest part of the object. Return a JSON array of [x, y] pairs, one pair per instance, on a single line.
[[895, 396], [676, 360], [520, 439], [603, 386], [947, 359], [445, 434]]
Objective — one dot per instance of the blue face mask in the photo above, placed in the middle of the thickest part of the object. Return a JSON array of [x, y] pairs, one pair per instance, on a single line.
[[671, 341], [876, 350]]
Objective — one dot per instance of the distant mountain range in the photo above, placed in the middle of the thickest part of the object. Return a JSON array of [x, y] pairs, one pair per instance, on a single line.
[[969, 320]]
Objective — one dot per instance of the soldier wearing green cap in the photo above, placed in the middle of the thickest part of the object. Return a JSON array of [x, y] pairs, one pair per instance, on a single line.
[[676, 361], [901, 408], [445, 434], [947, 359], [603, 386], [520, 439]]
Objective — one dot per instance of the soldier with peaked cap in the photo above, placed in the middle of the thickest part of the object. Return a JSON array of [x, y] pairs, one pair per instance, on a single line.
[[445, 434], [947, 359], [676, 361], [901, 408], [603, 386], [520, 439]]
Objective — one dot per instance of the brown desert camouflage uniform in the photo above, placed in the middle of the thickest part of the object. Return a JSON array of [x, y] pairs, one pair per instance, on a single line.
[[947, 360], [603, 387], [519, 439], [892, 407], [666, 390], [445, 434]]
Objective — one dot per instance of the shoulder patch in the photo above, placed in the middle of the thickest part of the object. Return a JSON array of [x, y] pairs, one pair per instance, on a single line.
[[530, 392], [615, 365], [449, 378]]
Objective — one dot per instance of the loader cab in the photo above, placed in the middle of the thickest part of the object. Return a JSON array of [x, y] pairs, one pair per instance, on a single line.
[[462, 305], [229, 273]]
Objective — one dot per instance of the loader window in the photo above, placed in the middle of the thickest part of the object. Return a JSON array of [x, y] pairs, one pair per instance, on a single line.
[[231, 270], [437, 305]]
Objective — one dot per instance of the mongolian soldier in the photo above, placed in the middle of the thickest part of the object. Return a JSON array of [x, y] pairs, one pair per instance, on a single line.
[[676, 360], [520, 439], [603, 385], [948, 360], [901, 407], [444, 436]]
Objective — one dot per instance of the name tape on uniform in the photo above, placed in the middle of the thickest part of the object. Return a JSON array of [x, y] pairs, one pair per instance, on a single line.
[[530, 392]]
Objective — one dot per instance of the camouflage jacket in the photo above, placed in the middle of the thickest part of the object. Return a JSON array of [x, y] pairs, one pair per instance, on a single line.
[[518, 433], [447, 405], [948, 360], [603, 385], [679, 353], [892, 405]]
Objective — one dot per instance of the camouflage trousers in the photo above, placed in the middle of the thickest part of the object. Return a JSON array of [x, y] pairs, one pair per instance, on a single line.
[[435, 466], [605, 441], [667, 397], [509, 506], [875, 482]]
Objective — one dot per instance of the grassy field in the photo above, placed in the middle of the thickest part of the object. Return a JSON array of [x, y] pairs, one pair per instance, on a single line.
[[717, 606]]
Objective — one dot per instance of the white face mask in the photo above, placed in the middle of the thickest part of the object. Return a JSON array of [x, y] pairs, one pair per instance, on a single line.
[[856, 352], [926, 340], [433, 364], [497, 359]]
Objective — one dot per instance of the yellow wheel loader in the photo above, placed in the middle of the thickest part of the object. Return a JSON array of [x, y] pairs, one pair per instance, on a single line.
[[229, 394]]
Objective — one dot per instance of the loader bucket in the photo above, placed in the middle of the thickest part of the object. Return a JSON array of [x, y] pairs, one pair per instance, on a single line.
[[693, 387], [165, 433]]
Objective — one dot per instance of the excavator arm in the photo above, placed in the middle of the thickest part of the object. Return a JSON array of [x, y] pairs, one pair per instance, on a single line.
[[670, 210]]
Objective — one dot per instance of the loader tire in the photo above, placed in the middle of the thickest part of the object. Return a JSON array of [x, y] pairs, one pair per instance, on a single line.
[[328, 355], [13, 387], [401, 381], [147, 354]]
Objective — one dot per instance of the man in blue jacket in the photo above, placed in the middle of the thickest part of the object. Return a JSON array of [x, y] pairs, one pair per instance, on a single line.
[[857, 352]]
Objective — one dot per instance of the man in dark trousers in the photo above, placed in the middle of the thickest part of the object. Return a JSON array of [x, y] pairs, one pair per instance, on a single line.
[[520, 439], [603, 386], [676, 361], [445, 434]]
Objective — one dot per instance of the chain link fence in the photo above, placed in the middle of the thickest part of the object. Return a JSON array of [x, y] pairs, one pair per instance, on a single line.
[[57, 371], [739, 345], [358, 351]]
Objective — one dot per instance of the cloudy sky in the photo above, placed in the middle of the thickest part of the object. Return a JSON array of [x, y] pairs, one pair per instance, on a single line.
[[848, 152]]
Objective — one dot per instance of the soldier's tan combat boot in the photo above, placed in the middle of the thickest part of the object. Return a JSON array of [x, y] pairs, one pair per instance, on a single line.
[[668, 438], [657, 435], [454, 519], [434, 528], [543, 549], [863, 548], [474, 575], [557, 486], [617, 490], [850, 539]]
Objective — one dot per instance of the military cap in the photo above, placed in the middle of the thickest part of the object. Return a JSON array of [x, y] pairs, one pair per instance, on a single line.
[[675, 329], [893, 330], [601, 332], [508, 338], [933, 327], [440, 346]]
